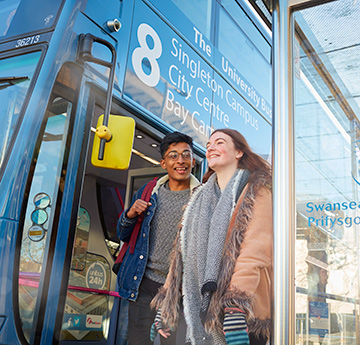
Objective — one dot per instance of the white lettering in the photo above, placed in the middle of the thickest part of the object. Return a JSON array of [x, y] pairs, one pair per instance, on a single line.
[[151, 55], [201, 42], [175, 107]]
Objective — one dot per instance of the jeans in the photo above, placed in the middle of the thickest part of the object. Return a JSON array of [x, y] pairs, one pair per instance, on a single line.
[[141, 317]]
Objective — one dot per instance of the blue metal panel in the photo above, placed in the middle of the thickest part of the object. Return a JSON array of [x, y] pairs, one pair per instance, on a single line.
[[110, 9], [84, 25], [121, 10]]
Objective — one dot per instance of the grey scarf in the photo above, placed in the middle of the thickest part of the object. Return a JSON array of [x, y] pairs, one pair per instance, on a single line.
[[205, 225]]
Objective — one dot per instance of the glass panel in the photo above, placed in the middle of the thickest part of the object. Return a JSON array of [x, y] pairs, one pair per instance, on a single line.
[[243, 54], [199, 13], [81, 240], [48, 179], [86, 314], [239, 16], [21, 16], [111, 199], [15, 76], [327, 157]]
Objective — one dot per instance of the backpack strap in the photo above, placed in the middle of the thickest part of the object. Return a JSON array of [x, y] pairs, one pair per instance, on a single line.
[[145, 195]]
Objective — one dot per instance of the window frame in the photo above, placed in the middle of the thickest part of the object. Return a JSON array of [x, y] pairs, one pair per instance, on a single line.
[[27, 50]]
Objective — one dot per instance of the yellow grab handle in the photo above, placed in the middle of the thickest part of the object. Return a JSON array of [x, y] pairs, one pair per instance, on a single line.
[[103, 132]]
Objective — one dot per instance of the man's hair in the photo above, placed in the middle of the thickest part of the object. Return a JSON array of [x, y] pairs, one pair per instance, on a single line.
[[172, 138]]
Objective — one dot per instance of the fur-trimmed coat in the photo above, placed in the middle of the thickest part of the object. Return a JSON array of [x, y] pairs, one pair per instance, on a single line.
[[246, 271]]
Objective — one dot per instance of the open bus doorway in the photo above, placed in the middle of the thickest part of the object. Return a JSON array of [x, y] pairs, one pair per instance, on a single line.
[[105, 194]]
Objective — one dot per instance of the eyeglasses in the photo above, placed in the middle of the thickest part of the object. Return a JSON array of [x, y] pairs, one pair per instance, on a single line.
[[174, 155]]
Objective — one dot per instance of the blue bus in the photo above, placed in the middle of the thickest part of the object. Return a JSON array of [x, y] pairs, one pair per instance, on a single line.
[[191, 66]]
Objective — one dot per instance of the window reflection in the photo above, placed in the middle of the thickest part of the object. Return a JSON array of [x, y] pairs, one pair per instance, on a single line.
[[242, 53], [15, 76], [328, 209], [244, 23], [199, 12]]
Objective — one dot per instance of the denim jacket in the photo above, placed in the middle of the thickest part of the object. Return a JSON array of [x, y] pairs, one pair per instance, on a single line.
[[133, 266]]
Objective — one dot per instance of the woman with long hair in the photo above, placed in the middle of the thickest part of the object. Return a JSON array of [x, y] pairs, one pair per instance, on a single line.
[[221, 267]]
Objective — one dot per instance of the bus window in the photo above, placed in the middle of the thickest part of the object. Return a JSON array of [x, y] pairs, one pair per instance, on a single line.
[[242, 25], [198, 12], [244, 49], [21, 16], [15, 75], [111, 199]]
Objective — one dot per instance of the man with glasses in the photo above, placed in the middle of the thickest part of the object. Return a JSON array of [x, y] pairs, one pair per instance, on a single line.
[[142, 273]]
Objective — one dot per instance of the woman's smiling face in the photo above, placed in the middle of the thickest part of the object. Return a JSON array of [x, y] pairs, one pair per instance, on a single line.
[[221, 153]]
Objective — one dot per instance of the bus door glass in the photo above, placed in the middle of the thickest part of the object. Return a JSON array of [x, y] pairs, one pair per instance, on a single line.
[[16, 73], [45, 187]]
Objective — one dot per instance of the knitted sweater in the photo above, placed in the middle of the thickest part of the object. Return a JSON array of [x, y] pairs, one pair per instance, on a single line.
[[164, 225]]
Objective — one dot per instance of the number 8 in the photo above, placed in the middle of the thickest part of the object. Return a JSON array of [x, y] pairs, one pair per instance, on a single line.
[[144, 52]]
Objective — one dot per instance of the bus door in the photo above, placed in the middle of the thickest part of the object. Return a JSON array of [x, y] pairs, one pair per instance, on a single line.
[[44, 242], [58, 253]]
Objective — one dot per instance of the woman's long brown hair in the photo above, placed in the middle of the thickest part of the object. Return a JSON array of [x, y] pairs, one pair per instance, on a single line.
[[249, 161]]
